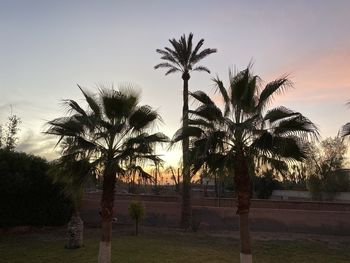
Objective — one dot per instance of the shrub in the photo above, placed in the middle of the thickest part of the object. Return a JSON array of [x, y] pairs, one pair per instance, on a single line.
[[27, 194], [264, 185], [136, 212], [326, 186], [195, 222]]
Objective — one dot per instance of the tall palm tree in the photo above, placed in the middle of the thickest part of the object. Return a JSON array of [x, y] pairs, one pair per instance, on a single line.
[[243, 135], [113, 130], [184, 59], [73, 172]]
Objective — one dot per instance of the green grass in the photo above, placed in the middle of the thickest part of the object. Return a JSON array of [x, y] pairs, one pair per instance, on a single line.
[[48, 246]]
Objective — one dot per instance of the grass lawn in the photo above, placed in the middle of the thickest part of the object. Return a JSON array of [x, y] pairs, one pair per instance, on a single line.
[[162, 246]]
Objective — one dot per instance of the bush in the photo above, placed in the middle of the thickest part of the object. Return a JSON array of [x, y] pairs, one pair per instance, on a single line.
[[195, 222], [326, 186], [27, 194], [136, 212], [264, 185]]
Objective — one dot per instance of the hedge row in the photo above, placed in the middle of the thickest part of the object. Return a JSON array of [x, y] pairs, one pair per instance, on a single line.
[[27, 194]]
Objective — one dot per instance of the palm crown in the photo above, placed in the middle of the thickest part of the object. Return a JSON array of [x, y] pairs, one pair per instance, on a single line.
[[113, 128], [241, 129], [183, 57]]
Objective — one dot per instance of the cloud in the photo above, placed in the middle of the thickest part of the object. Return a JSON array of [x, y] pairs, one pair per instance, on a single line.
[[38, 144], [320, 79]]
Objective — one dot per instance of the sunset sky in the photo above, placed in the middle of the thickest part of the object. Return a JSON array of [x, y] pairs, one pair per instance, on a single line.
[[47, 47]]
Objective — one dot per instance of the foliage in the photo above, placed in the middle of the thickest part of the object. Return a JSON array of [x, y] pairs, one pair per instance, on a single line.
[[8, 136], [112, 132], [345, 130], [183, 57], [324, 168], [136, 212], [175, 176], [73, 173], [295, 178], [328, 157], [28, 195], [265, 184], [329, 184], [243, 131], [135, 173]]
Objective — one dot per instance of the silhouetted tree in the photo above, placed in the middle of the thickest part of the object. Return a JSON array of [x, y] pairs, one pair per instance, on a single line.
[[242, 136], [114, 130], [8, 136], [183, 57]]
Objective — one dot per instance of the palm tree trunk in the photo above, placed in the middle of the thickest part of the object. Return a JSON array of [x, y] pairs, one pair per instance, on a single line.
[[246, 253], [242, 181], [75, 231], [186, 211], [104, 255]]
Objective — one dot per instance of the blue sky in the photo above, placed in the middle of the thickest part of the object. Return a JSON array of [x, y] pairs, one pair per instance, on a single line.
[[47, 47]]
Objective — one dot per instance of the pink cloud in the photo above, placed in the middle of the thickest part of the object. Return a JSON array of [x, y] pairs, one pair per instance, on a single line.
[[323, 78]]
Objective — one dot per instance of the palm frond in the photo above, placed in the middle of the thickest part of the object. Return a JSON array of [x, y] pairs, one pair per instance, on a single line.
[[200, 123], [201, 68], [164, 65], [289, 148], [276, 164], [186, 132], [209, 112], [73, 107], [279, 113], [188, 45], [93, 104], [172, 70], [220, 86], [174, 55], [196, 49], [201, 55], [65, 126], [277, 86], [118, 104], [238, 86], [179, 49], [202, 97], [297, 125], [345, 130], [143, 117]]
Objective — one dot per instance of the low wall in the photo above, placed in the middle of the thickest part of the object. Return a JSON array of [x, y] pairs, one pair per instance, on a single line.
[[266, 215], [292, 194]]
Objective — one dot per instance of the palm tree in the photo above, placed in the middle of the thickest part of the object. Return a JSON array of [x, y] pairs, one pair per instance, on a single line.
[[113, 130], [244, 135], [73, 172], [184, 59]]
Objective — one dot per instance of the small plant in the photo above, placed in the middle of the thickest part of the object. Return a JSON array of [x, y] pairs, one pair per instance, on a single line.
[[264, 185], [195, 223], [136, 212]]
